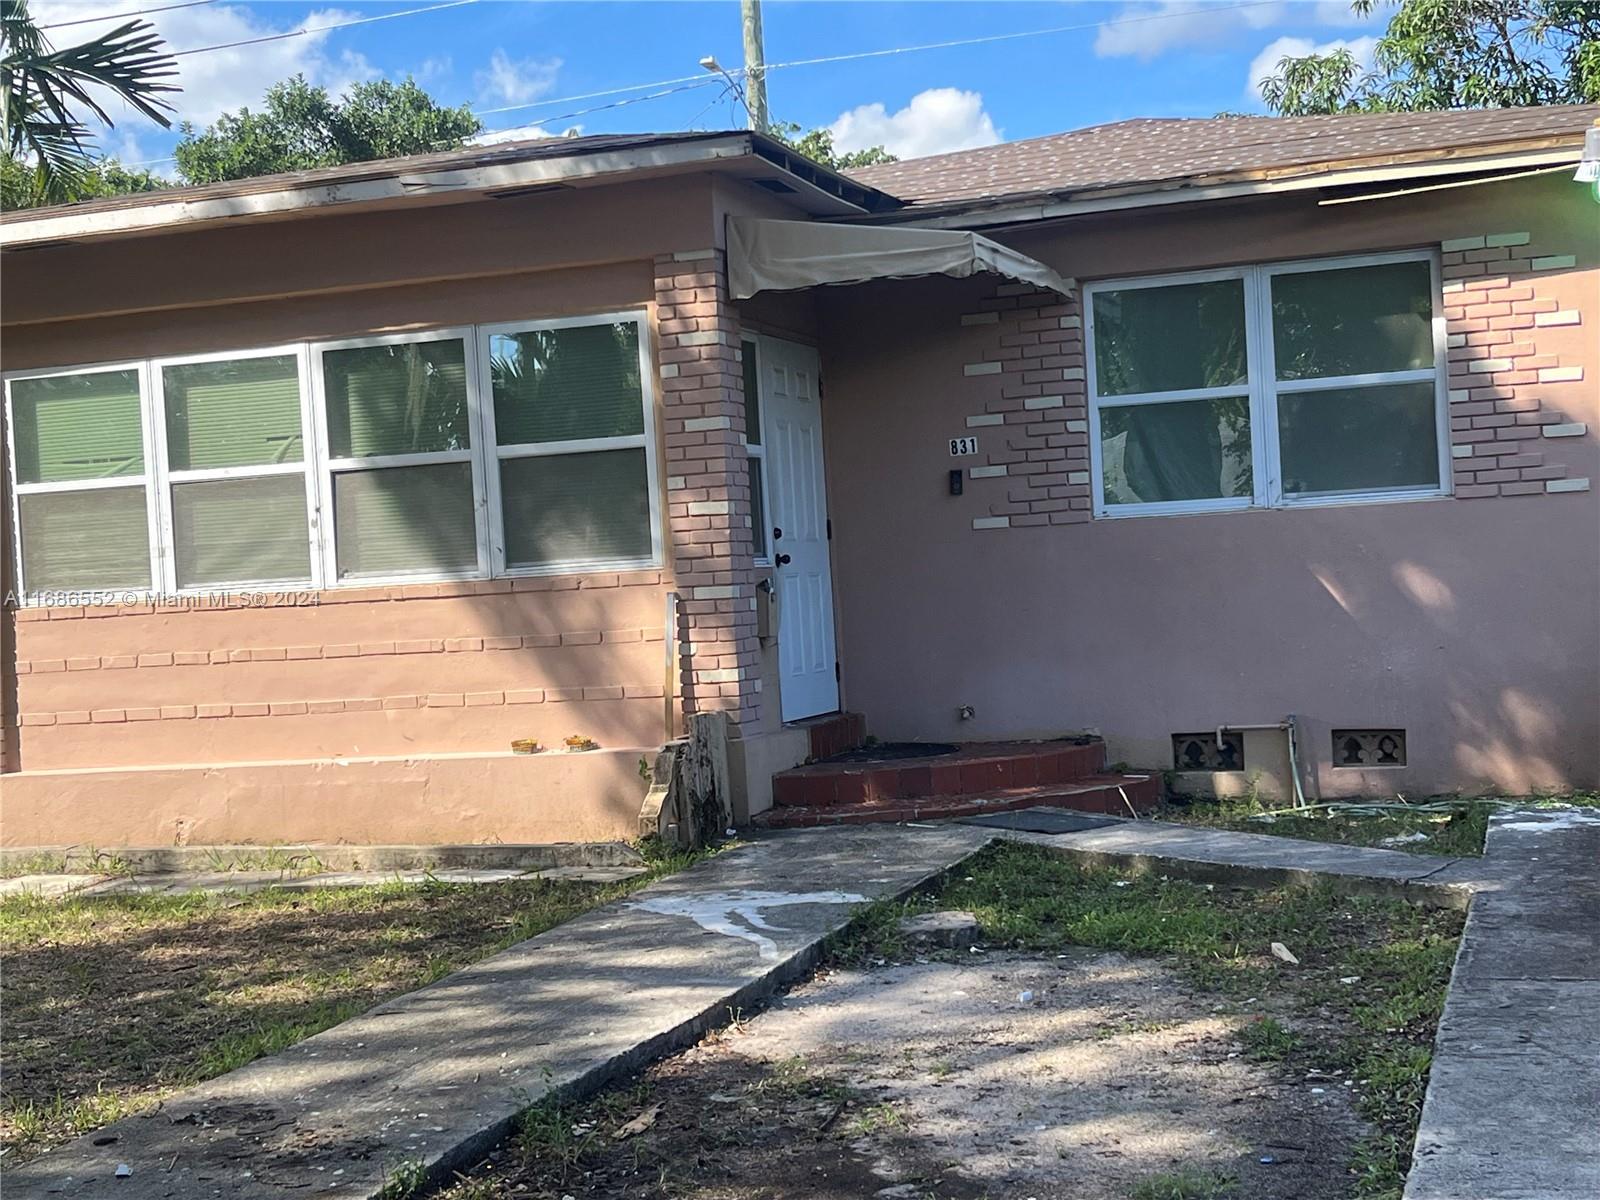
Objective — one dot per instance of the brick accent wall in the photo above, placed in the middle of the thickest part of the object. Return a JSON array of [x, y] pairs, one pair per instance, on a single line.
[[1025, 378], [1507, 418], [708, 485], [1029, 405]]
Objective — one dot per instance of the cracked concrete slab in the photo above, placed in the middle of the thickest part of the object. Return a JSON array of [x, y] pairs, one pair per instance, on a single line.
[[1267, 859], [1512, 1110]]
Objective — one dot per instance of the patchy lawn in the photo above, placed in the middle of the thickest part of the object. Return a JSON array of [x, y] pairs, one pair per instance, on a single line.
[[1118, 1035], [1446, 825], [1456, 832], [111, 1003]]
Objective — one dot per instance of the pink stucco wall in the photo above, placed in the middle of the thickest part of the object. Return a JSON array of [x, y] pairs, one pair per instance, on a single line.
[[175, 723], [1472, 623], [383, 714]]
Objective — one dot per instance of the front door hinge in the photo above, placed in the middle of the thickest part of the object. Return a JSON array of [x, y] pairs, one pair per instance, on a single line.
[[836, 670], [829, 524]]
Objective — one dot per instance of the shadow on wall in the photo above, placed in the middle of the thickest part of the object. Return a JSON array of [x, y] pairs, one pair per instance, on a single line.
[[1513, 736]]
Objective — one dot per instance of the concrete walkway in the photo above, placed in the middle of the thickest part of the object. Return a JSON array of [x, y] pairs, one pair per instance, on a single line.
[[429, 1081], [172, 883], [434, 1078], [1513, 1104], [1269, 861]]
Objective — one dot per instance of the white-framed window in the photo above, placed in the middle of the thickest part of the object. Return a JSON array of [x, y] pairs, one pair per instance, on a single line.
[[83, 481], [569, 418], [1286, 384], [454, 453], [235, 497], [755, 446], [402, 474]]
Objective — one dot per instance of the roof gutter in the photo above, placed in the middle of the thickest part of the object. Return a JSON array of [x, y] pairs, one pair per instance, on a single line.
[[1188, 191]]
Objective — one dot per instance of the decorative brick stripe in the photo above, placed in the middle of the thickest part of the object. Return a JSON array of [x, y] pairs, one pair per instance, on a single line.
[[451, 645], [225, 600], [1500, 411], [302, 708], [708, 485], [1034, 388]]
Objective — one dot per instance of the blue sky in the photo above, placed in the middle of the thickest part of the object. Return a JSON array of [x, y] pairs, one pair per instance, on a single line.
[[1128, 59]]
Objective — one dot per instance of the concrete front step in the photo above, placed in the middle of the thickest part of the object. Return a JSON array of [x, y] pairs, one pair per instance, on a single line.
[[977, 768], [1106, 794]]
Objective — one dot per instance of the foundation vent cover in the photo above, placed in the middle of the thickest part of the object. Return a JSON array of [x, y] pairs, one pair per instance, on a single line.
[[1202, 752], [1369, 747]]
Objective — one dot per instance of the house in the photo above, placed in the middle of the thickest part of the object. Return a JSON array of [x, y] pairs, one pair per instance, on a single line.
[[324, 488]]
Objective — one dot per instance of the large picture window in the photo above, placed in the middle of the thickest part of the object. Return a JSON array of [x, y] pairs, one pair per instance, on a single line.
[[1274, 385], [450, 454]]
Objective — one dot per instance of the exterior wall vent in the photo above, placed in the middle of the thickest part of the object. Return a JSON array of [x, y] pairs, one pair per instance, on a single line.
[[1202, 752], [1369, 747]]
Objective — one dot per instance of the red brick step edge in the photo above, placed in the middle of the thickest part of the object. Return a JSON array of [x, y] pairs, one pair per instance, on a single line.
[[978, 768], [1111, 795]]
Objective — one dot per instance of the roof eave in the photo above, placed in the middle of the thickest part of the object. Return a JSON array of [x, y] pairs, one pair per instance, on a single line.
[[823, 192], [1021, 209]]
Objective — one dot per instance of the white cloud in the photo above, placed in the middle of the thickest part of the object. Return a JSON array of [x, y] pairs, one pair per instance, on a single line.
[[222, 80], [1266, 63], [935, 122], [508, 82], [434, 68], [1149, 30]]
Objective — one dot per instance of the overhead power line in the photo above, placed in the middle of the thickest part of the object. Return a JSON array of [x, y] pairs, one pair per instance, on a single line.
[[835, 58], [1026, 33], [126, 16], [278, 37], [684, 83]]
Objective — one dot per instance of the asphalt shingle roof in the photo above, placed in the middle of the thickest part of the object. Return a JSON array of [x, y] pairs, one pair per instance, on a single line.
[[1158, 150]]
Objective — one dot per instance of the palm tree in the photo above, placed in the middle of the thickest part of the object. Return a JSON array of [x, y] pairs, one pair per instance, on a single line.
[[39, 87]]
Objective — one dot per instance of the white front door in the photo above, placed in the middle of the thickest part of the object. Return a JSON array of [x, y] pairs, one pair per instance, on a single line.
[[791, 405]]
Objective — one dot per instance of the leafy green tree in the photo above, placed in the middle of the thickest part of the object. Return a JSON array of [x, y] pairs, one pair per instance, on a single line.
[[20, 187], [44, 91], [1441, 54], [818, 146], [301, 127]]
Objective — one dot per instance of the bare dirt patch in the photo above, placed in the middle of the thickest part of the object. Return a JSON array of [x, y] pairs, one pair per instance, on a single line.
[[939, 1079]]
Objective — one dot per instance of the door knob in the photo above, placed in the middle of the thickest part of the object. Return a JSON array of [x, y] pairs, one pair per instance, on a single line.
[[782, 560]]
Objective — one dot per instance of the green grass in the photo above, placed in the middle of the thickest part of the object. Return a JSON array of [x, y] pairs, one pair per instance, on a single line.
[[1267, 1039], [88, 861], [1457, 834], [113, 1002], [1376, 1030], [1190, 1183]]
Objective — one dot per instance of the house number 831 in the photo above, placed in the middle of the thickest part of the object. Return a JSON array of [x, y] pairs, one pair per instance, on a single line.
[[963, 445]]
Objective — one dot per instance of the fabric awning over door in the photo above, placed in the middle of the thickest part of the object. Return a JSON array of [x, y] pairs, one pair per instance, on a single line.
[[780, 256]]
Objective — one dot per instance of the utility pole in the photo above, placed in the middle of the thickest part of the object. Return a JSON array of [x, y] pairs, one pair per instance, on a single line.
[[755, 65]]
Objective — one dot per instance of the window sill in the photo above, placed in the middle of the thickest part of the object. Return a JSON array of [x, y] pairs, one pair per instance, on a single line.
[[1189, 510]]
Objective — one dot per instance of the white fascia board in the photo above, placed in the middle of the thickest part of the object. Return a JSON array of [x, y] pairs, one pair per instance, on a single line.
[[287, 201]]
